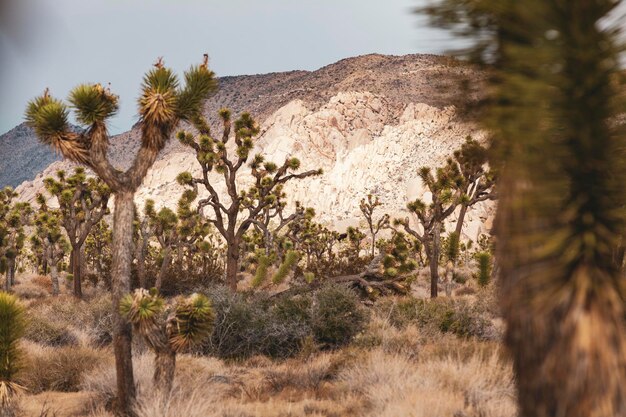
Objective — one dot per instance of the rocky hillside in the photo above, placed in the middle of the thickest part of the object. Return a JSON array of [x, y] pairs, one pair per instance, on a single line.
[[22, 156], [370, 122]]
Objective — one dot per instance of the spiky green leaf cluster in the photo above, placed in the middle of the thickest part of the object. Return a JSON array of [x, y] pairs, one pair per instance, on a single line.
[[200, 84], [93, 104], [12, 327], [47, 116], [194, 319], [291, 259]]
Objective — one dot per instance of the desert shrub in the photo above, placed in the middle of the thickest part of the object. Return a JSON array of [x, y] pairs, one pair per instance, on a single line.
[[457, 316], [465, 290], [252, 324], [61, 321], [100, 314], [282, 338], [246, 326], [294, 308], [59, 369], [29, 291], [237, 324], [336, 315], [48, 332]]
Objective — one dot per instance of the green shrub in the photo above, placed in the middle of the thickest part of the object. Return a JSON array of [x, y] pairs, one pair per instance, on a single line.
[[247, 326], [484, 268], [337, 315], [260, 274], [237, 324], [100, 312], [291, 258], [457, 316]]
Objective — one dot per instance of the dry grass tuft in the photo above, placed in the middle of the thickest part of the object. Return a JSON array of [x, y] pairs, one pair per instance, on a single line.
[[59, 369], [394, 385]]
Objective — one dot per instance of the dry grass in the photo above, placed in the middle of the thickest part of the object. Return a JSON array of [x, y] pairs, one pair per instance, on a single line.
[[469, 379], [395, 385], [59, 369], [408, 370]]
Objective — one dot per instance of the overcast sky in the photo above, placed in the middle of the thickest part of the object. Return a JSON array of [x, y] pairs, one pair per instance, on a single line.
[[60, 43]]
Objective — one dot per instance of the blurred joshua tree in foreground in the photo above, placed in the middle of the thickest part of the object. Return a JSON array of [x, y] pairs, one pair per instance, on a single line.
[[235, 214], [552, 111], [162, 104]]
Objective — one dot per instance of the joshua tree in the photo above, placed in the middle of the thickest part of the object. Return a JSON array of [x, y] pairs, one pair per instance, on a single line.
[[82, 204], [162, 104], [234, 214], [476, 182], [49, 240], [12, 326], [143, 233], [355, 241], [98, 251], [168, 328], [389, 272], [164, 225], [14, 216], [367, 208], [553, 114], [445, 199]]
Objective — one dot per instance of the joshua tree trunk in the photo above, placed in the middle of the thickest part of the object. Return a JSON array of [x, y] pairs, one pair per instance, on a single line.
[[141, 264], [434, 260], [167, 258], [164, 367], [461, 219], [77, 271], [122, 257], [232, 262], [10, 275], [54, 277]]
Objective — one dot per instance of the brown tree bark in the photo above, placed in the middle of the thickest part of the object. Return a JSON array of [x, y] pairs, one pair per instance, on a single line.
[[461, 219], [434, 261], [54, 277], [122, 248], [167, 258], [77, 272], [232, 263], [164, 367]]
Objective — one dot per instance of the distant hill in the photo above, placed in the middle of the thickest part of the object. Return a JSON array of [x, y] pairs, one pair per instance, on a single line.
[[22, 156], [370, 122]]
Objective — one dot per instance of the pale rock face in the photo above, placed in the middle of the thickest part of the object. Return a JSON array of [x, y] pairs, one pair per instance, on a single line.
[[349, 139]]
